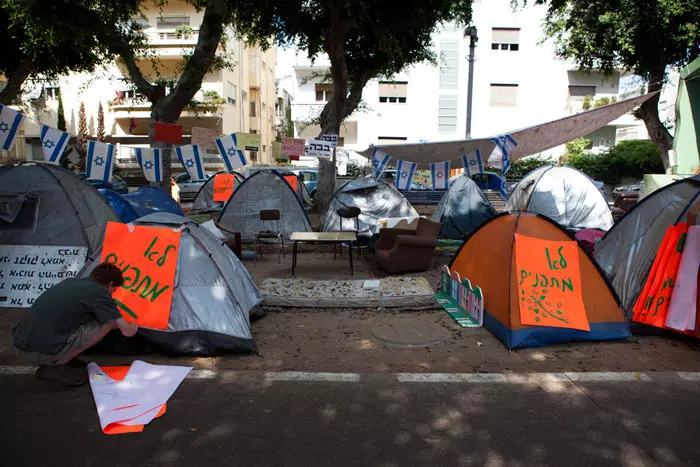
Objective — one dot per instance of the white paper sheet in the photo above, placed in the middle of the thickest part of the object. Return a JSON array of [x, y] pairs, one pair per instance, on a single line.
[[137, 398]]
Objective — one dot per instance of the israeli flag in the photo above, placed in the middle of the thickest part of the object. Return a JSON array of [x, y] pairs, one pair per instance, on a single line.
[[53, 143], [191, 161], [151, 162], [504, 146], [100, 161], [379, 161], [10, 121], [473, 163], [440, 173], [404, 175], [504, 188], [228, 148]]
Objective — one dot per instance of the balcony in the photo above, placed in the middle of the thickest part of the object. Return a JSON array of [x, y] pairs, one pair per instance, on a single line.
[[173, 38], [203, 106]]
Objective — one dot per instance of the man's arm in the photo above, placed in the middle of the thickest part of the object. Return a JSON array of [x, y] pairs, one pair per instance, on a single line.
[[127, 329]]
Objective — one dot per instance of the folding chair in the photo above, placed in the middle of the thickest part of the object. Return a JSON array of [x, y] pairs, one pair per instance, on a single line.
[[266, 216]]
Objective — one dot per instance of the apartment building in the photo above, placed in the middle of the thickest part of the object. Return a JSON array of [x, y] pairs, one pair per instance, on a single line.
[[518, 83], [230, 100]]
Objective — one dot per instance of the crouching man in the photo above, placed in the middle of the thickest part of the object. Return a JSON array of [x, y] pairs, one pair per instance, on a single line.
[[67, 319]]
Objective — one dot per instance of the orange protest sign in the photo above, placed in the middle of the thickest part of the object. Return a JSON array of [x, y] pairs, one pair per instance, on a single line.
[[292, 180], [147, 257], [549, 283], [224, 184]]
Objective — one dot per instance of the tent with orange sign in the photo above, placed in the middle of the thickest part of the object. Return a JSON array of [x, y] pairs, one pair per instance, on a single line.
[[204, 200], [540, 287], [188, 292]]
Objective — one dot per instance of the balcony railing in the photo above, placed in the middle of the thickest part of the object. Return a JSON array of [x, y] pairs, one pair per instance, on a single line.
[[172, 37]]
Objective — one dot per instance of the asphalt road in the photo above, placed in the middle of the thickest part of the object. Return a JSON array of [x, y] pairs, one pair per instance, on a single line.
[[253, 419]]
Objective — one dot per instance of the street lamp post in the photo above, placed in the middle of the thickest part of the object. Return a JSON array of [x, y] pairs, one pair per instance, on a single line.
[[473, 39]]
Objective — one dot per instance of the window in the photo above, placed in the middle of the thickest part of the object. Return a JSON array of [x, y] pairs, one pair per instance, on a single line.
[[581, 91], [448, 86], [504, 95], [253, 109], [323, 92], [51, 93], [172, 22], [231, 93], [393, 92], [505, 39]]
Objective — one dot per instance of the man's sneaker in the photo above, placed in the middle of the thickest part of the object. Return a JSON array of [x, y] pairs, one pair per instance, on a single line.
[[78, 363], [63, 375]]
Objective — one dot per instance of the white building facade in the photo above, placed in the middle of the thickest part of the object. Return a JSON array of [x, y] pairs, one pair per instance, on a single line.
[[518, 83]]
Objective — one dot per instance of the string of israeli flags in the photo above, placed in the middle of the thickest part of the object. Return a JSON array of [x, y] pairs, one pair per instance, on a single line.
[[100, 155], [440, 171]]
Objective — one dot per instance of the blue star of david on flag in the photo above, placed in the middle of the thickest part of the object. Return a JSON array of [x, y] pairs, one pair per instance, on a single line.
[[472, 163], [379, 161], [49, 144], [405, 171], [150, 161], [53, 143], [10, 122], [189, 163], [148, 165], [230, 152], [99, 161], [191, 160], [4, 127], [439, 172]]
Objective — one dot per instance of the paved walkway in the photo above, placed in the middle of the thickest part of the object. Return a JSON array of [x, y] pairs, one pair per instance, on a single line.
[[231, 418]]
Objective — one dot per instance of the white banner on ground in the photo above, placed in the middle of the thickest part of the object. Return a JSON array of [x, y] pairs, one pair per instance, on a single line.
[[27, 271]]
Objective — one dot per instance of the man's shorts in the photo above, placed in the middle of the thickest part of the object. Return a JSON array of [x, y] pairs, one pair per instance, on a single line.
[[79, 340]]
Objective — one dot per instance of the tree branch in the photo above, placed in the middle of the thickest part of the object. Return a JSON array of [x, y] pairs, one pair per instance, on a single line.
[[126, 53], [199, 64], [15, 81]]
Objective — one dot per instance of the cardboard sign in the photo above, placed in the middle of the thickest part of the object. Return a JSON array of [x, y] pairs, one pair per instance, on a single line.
[[224, 185], [464, 303], [293, 146], [549, 283], [318, 148], [292, 180], [248, 141], [204, 137], [277, 151], [148, 259], [168, 133], [27, 271], [330, 138]]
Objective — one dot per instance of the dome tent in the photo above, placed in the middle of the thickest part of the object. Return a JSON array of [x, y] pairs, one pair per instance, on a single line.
[[375, 199], [144, 201], [627, 251], [212, 296], [44, 204], [563, 194], [266, 189], [204, 200], [487, 259], [462, 209]]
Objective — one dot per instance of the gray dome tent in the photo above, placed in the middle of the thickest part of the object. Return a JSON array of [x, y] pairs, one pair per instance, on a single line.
[[266, 189], [212, 297], [375, 199], [463, 209], [627, 251], [204, 201], [563, 194], [44, 204]]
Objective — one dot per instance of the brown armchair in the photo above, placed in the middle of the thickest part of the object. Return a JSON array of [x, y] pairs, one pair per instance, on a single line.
[[400, 250]]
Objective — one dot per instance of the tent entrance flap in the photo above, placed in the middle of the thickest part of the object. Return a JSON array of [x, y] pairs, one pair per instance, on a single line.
[[14, 207]]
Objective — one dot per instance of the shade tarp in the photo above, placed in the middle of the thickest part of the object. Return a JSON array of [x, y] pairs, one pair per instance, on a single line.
[[462, 209], [261, 191], [627, 251], [212, 297], [59, 209], [531, 140], [565, 195], [376, 200]]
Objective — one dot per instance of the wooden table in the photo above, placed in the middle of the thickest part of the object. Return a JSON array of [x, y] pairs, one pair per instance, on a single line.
[[322, 237]]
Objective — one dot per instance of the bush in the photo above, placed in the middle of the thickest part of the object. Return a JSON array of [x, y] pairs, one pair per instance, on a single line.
[[522, 167], [632, 158]]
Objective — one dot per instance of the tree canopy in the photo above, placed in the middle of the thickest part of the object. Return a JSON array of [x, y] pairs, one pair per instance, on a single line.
[[642, 36], [48, 39]]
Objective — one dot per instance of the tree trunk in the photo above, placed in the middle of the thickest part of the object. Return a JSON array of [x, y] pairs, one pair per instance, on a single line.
[[649, 112], [15, 82]]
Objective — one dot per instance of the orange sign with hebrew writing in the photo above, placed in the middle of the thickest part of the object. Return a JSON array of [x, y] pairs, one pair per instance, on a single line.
[[549, 283], [224, 184], [148, 258], [292, 180]]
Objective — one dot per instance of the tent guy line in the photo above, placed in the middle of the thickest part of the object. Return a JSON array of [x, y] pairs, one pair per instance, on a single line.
[[459, 378]]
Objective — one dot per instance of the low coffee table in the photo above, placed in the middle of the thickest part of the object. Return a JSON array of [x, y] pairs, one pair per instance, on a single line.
[[322, 237]]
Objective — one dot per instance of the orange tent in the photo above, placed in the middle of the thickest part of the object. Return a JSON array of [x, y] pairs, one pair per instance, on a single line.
[[487, 258]]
